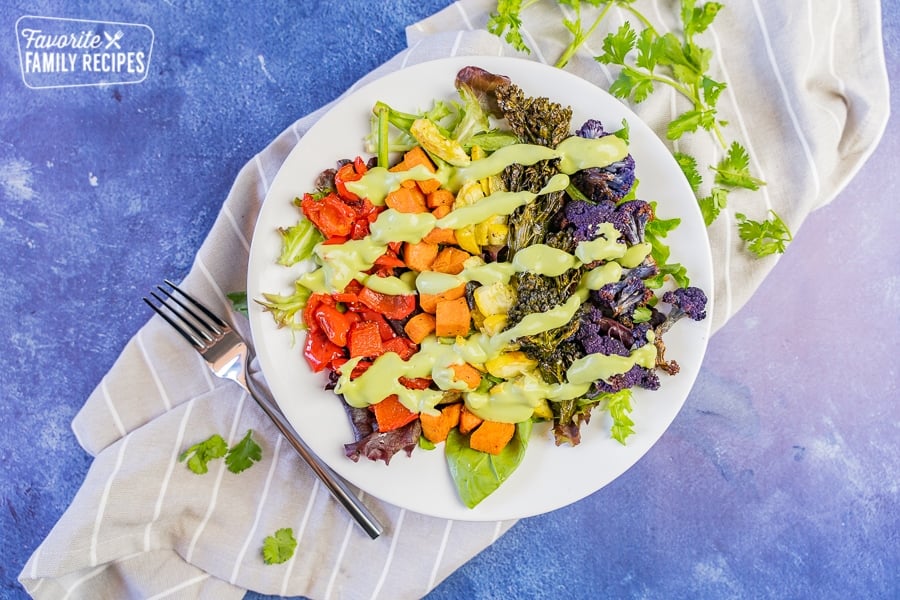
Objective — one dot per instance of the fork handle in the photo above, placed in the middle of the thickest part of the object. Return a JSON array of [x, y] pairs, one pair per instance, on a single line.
[[337, 486]]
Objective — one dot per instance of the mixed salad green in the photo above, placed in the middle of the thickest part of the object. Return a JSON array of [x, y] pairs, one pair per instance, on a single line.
[[491, 266]]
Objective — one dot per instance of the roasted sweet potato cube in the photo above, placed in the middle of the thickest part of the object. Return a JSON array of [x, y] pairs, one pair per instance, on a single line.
[[452, 318], [491, 436], [436, 427]]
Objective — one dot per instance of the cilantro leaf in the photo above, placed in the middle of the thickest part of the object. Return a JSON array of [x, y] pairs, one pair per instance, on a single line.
[[656, 230], [689, 167], [764, 237], [201, 453], [734, 169], [623, 133], [642, 314], [631, 83], [238, 302], [711, 90], [280, 547], [507, 20], [616, 46], [697, 20], [713, 204], [690, 121], [649, 50], [242, 456]]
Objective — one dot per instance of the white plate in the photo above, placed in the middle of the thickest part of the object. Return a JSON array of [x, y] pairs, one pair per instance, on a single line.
[[549, 477]]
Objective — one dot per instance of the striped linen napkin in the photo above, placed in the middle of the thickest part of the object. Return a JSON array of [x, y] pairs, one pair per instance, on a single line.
[[807, 93]]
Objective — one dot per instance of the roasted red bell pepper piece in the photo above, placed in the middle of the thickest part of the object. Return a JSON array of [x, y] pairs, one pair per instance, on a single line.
[[334, 323], [365, 340], [312, 304], [401, 345], [319, 351], [359, 229], [350, 295], [331, 215], [415, 383], [389, 259], [345, 174], [384, 328], [359, 165], [391, 306]]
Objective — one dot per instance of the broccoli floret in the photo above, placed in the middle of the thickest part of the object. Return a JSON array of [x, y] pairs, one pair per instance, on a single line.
[[534, 121], [584, 218], [631, 218], [552, 350], [563, 239], [686, 302], [553, 366], [534, 294], [619, 299]]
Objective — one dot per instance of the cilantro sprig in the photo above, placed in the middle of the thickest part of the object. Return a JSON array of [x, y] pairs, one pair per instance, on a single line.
[[200, 454], [243, 455], [764, 237], [279, 547], [239, 457], [648, 60]]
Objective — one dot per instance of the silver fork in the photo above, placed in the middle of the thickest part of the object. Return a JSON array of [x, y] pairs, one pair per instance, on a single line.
[[228, 355]]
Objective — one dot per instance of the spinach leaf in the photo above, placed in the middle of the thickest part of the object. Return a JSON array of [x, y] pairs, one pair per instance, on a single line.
[[477, 474]]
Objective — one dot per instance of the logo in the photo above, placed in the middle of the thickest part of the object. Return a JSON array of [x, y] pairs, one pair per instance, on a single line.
[[56, 52]]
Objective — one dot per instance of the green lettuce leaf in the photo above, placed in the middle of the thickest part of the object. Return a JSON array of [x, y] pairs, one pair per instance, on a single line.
[[478, 474]]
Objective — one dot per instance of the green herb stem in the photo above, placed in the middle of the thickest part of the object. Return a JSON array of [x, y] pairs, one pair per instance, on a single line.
[[640, 17], [582, 35]]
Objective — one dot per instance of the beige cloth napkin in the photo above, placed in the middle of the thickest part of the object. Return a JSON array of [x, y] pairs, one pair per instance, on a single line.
[[807, 92]]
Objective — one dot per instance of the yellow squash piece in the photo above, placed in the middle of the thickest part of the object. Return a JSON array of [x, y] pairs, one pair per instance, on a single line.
[[430, 137]]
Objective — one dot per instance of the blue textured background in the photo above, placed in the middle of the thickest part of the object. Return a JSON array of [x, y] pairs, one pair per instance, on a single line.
[[779, 478]]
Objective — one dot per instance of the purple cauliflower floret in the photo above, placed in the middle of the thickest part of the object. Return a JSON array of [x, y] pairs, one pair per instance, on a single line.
[[646, 269], [584, 218], [631, 218], [594, 342], [639, 334], [594, 325], [622, 297], [612, 182], [637, 376], [686, 302], [592, 129]]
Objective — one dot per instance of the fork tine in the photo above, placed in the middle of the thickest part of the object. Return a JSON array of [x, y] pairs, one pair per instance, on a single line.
[[200, 327], [208, 331], [184, 332], [199, 305]]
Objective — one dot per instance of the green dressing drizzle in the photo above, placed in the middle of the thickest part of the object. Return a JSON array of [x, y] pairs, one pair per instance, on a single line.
[[513, 400]]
